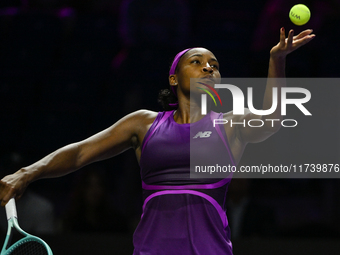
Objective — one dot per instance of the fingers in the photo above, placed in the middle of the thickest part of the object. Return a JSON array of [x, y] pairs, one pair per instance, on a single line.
[[287, 43], [290, 39], [282, 37], [3, 194], [303, 38], [294, 42], [6, 192], [6, 198], [303, 34], [291, 43]]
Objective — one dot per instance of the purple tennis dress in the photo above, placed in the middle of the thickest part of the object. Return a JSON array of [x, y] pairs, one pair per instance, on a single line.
[[182, 215]]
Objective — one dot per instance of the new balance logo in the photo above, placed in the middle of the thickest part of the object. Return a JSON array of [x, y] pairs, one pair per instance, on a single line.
[[204, 134]]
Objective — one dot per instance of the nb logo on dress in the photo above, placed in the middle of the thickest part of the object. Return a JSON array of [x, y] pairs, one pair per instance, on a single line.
[[204, 134]]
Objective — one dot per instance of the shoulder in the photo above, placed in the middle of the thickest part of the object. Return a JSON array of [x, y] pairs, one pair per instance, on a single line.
[[140, 120], [133, 123], [143, 115], [140, 115]]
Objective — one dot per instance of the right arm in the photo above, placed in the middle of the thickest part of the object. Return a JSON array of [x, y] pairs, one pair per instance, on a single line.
[[127, 133]]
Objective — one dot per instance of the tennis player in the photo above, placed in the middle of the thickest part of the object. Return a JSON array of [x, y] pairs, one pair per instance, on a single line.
[[181, 215]]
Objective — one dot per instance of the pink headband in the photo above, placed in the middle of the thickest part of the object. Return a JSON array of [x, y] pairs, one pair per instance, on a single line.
[[176, 60], [174, 65]]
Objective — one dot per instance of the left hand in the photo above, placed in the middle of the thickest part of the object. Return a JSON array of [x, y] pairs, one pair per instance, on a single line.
[[291, 43]]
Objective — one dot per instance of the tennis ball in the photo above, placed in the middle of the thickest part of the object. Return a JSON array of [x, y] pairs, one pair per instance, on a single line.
[[299, 14]]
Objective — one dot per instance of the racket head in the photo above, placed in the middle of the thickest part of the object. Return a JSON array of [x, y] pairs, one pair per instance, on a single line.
[[29, 244]]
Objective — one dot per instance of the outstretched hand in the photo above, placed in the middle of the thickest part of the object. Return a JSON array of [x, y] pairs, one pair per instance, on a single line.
[[12, 185], [291, 43]]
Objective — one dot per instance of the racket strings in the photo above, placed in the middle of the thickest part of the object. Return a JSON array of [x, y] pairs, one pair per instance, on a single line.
[[29, 248]]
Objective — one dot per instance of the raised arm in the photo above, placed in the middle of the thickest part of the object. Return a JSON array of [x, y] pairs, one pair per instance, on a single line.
[[276, 78], [126, 133]]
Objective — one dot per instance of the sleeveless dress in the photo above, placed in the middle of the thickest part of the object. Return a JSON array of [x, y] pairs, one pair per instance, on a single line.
[[182, 215]]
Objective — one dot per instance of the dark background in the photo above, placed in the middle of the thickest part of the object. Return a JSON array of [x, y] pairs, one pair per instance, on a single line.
[[70, 68]]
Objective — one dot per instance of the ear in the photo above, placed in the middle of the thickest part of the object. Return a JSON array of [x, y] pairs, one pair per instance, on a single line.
[[172, 80]]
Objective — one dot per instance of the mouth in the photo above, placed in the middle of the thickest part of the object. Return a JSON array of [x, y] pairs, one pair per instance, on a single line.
[[208, 79]]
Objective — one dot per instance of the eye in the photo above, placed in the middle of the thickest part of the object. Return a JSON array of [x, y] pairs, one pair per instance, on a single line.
[[215, 66], [195, 61]]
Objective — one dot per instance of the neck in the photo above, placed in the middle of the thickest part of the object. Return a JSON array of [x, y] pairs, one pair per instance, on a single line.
[[189, 111]]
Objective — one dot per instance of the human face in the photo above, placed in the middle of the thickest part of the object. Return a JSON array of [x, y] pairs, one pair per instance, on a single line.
[[196, 63]]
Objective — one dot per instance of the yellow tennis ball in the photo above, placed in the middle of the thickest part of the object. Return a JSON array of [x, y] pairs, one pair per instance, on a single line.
[[299, 14]]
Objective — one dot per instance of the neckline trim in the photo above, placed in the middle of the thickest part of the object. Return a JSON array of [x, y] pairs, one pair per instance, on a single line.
[[187, 124]]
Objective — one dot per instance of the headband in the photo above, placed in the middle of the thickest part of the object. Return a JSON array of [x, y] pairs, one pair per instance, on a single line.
[[176, 60], [174, 65]]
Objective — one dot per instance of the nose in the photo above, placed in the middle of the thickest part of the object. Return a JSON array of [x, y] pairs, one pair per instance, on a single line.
[[208, 69]]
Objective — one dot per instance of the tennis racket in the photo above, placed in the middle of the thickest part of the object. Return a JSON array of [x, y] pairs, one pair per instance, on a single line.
[[28, 244]]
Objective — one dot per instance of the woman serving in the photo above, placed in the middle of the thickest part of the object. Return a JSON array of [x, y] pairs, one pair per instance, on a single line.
[[181, 215]]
